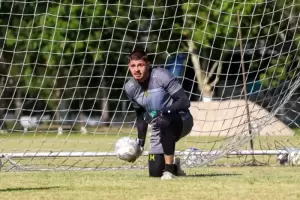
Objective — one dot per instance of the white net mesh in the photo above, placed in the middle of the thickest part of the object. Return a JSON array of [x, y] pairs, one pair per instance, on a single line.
[[64, 64]]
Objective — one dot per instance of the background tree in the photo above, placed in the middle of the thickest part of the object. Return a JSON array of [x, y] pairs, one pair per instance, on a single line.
[[213, 27], [62, 46], [75, 53]]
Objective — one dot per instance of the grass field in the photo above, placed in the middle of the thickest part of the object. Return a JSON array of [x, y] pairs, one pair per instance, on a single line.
[[263, 182], [266, 183]]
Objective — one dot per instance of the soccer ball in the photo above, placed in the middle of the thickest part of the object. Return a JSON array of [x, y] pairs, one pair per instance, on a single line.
[[126, 148], [282, 158], [294, 158]]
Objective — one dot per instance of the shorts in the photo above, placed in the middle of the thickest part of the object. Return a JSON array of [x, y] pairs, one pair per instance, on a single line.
[[181, 124]]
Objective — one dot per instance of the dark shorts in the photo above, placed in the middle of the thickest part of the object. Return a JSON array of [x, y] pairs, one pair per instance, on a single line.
[[181, 125]]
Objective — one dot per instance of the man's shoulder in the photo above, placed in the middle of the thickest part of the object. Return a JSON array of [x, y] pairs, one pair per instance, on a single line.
[[160, 70], [130, 83], [162, 74], [130, 86]]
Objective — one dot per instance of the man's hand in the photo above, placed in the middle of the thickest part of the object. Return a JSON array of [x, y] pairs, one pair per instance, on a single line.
[[140, 150], [141, 144], [161, 117], [138, 154], [155, 113]]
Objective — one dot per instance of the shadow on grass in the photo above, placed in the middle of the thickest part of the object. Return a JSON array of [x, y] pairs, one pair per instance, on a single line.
[[212, 175], [28, 189]]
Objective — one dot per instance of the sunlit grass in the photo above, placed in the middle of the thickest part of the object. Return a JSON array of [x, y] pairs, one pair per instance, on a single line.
[[109, 179], [268, 183]]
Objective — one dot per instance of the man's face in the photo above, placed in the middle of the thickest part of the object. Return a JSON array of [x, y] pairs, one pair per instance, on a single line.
[[139, 69]]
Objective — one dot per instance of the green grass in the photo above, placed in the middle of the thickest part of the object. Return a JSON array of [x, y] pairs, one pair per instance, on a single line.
[[201, 183], [205, 183]]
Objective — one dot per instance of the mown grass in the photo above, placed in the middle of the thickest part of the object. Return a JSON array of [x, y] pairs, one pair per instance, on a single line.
[[201, 183], [204, 183]]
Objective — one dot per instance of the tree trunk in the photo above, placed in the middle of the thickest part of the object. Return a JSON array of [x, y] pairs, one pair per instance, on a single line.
[[203, 78], [57, 110], [3, 125], [18, 107], [58, 100], [83, 129], [104, 103], [207, 93], [58, 95], [3, 104]]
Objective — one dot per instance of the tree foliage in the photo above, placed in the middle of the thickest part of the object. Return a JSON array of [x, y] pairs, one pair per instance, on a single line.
[[213, 25], [59, 45]]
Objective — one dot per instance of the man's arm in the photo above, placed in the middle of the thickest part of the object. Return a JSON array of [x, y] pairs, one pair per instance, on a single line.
[[141, 123], [171, 84], [181, 102]]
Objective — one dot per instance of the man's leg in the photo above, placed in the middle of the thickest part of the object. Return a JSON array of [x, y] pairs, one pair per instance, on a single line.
[[179, 127], [169, 136], [156, 165], [162, 146], [187, 125], [156, 160]]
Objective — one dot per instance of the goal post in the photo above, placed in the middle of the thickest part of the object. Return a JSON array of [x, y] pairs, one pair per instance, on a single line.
[[63, 65]]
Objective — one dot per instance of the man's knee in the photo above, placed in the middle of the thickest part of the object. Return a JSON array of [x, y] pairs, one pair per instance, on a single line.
[[170, 122], [156, 164], [170, 129], [187, 126], [164, 122]]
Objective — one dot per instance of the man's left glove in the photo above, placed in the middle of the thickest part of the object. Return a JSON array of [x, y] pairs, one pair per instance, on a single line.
[[156, 114], [151, 116], [162, 118]]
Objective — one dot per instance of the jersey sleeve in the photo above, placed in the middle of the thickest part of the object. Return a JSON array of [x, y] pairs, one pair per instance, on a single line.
[[129, 91], [141, 124], [169, 81]]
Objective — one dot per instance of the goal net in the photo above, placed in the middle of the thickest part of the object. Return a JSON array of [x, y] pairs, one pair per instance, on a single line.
[[63, 65]]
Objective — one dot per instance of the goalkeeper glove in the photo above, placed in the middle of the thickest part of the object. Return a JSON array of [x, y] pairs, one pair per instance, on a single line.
[[141, 144], [140, 149], [157, 114], [161, 118]]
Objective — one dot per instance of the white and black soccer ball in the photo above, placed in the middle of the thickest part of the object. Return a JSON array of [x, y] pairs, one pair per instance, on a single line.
[[126, 148], [282, 158], [294, 158]]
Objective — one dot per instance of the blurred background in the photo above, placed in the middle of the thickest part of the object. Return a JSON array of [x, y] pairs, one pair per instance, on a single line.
[[64, 63]]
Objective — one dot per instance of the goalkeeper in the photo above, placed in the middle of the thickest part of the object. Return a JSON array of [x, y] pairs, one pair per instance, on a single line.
[[159, 101]]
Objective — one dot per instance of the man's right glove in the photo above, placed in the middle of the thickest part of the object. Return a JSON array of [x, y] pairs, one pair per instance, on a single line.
[[140, 149], [141, 144]]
